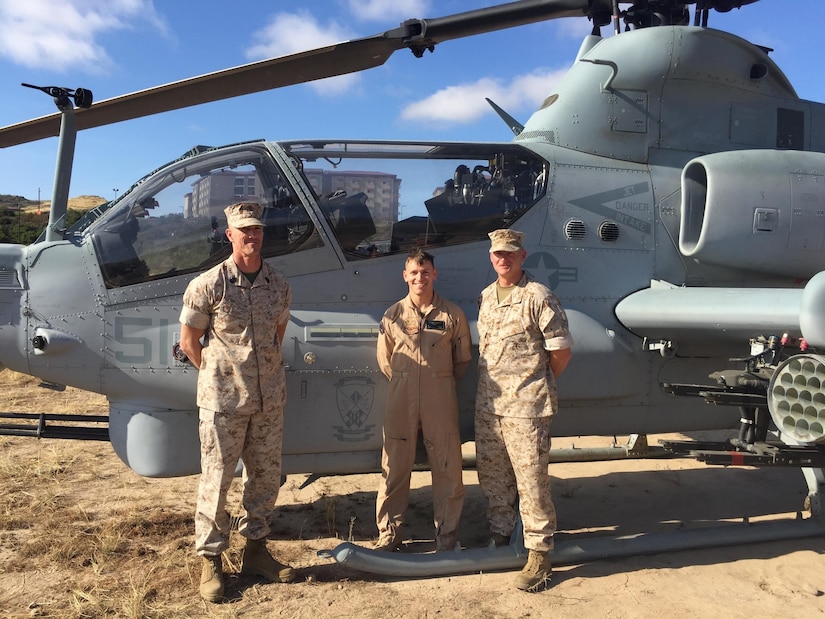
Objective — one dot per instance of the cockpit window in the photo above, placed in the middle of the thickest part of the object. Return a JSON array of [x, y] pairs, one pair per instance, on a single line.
[[385, 198], [175, 224]]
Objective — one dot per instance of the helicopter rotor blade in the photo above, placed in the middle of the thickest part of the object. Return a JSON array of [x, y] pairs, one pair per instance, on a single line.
[[418, 35], [246, 79], [338, 59]]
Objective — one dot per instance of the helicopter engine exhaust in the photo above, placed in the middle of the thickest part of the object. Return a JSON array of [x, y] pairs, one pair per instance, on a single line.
[[755, 210]]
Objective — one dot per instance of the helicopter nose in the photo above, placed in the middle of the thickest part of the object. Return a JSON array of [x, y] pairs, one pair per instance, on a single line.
[[12, 329]]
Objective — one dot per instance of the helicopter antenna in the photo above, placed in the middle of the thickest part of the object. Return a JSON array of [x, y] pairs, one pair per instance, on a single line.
[[515, 126]]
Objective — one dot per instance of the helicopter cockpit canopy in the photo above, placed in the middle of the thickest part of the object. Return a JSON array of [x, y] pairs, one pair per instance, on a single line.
[[376, 198], [173, 223], [388, 197]]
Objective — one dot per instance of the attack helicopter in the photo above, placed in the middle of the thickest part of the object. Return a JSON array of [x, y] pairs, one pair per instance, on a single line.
[[671, 189]]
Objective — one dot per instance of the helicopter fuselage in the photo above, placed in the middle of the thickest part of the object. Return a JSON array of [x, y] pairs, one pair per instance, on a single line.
[[692, 176]]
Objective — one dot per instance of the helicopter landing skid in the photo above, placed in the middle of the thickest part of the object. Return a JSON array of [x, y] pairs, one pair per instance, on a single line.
[[576, 549], [569, 551]]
